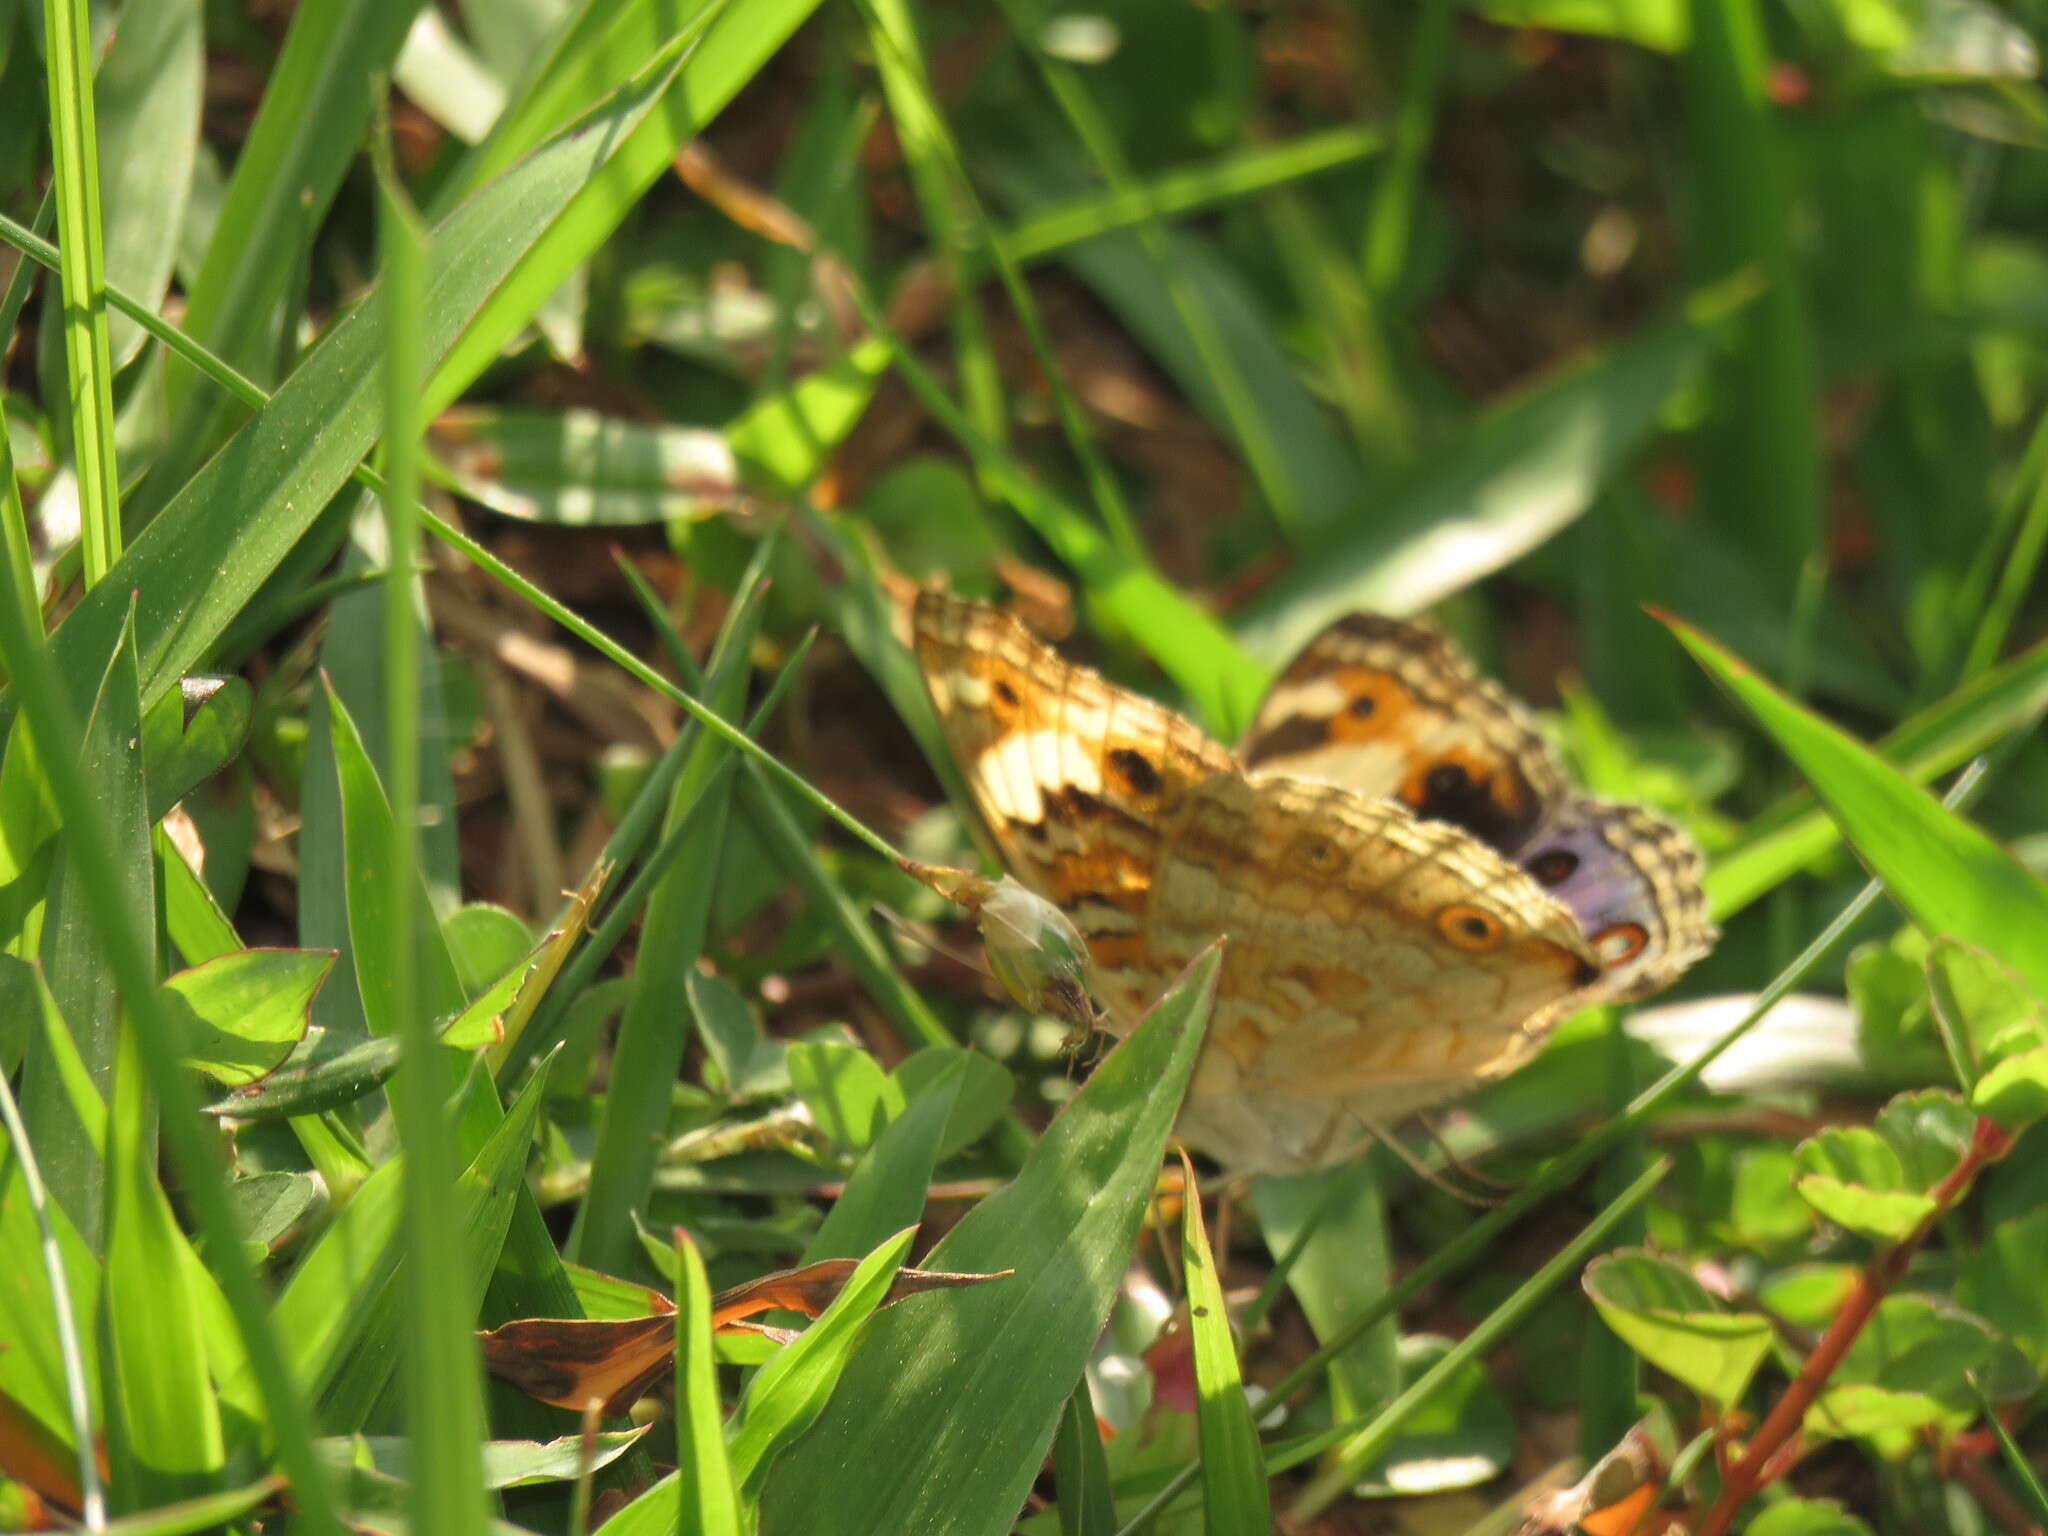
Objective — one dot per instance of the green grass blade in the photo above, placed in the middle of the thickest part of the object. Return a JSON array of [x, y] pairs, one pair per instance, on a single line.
[[14, 544], [706, 1497], [316, 108], [384, 892], [148, 99], [885, 1193], [1948, 876], [35, 676], [256, 497], [1190, 189], [596, 47], [1759, 463], [88, 360], [789, 1392], [1234, 1496], [164, 1430], [726, 46], [74, 942], [1366, 1444], [943, 1418], [444, 1407], [1992, 706], [50, 1249], [649, 1048], [1080, 1467], [1390, 223], [1523, 471], [942, 198]]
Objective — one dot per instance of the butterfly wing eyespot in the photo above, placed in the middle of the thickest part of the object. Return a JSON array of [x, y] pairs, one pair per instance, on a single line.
[[1469, 928], [1619, 943], [1554, 866]]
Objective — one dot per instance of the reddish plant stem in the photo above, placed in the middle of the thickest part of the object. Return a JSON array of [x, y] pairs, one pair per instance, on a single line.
[[1988, 1143]]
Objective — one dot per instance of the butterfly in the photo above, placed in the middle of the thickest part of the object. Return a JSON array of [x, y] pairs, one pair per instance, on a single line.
[[1412, 890]]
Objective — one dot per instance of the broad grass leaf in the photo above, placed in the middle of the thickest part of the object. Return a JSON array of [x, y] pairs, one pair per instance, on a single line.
[[944, 1416], [1947, 874], [1235, 1501], [245, 1011], [986, 1089], [788, 1393], [1669, 1319]]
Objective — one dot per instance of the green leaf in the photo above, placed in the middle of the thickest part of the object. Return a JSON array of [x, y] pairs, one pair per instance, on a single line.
[[944, 1416], [1914, 1366], [1806, 1517], [1949, 876], [1854, 1178], [846, 1091], [1234, 1497], [788, 1394], [2015, 1092], [75, 960], [1080, 1469], [1669, 1319], [750, 1064], [245, 1011]]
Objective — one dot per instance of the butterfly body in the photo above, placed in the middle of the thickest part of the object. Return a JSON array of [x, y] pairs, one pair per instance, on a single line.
[[1386, 953]]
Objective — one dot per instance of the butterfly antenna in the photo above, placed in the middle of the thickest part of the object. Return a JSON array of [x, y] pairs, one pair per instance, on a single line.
[[1465, 1167], [1468, 1194], [922, 936]]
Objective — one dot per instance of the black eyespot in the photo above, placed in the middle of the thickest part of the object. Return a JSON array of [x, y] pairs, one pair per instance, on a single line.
[[1554, 866], [1363, 705], [1445, 780], [1136, 769], [1006, 693]]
